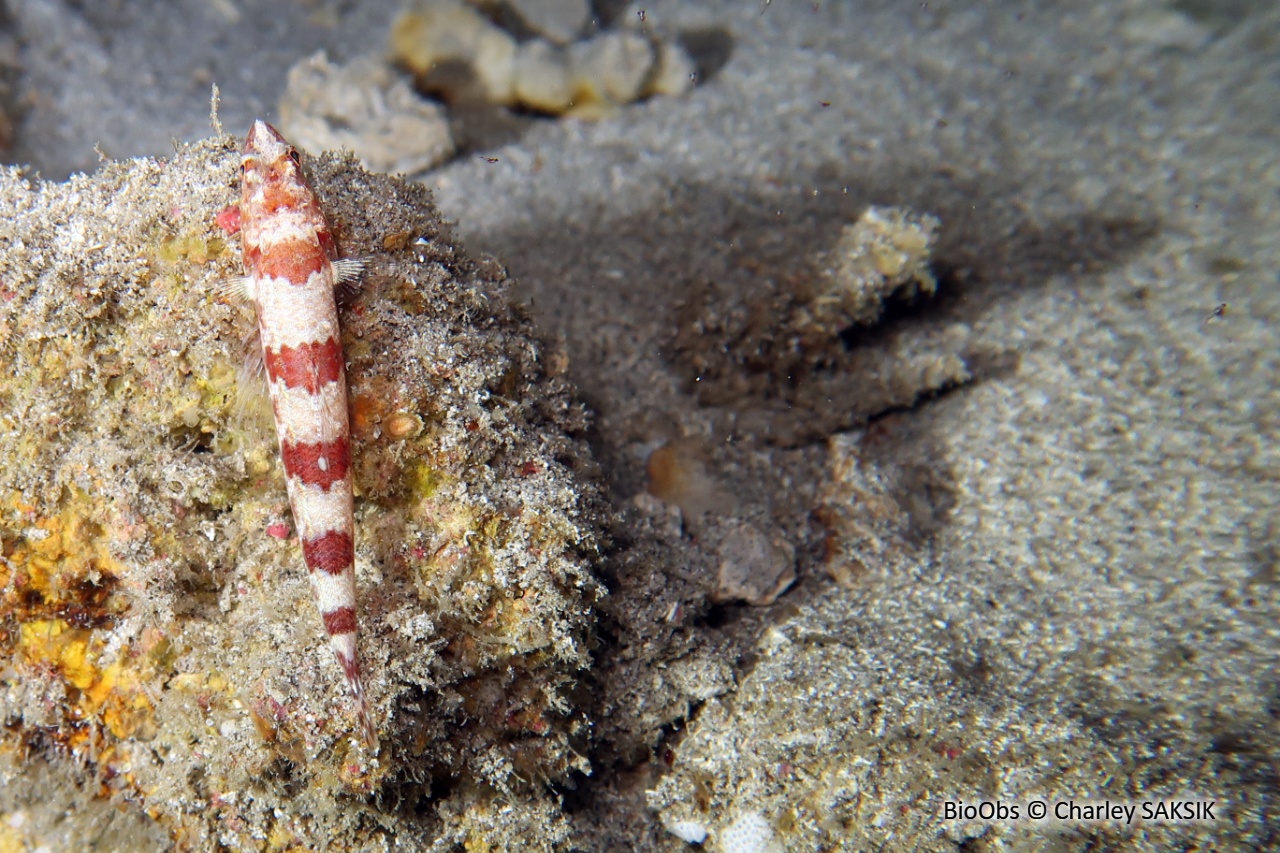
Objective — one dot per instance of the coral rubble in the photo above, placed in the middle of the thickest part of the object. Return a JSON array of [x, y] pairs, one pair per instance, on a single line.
[[456, 51], [363, 106]]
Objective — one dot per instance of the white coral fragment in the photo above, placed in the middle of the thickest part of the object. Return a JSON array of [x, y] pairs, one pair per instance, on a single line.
[[363, 107], [750, 833], [688, 831], [455, 51]]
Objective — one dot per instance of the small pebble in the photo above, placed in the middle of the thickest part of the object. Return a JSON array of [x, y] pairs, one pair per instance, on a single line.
[[754, 568], [542, 77], [612, 67], [688, 831], [674, 72]]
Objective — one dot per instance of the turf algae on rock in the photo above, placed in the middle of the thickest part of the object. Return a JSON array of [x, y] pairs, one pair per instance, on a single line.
[[157, 650]]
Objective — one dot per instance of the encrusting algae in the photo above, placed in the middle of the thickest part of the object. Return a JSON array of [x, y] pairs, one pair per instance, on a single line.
[[57, 599], [157, 642]]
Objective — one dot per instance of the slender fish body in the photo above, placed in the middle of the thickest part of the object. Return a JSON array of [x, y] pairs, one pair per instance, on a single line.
[[290, 276]]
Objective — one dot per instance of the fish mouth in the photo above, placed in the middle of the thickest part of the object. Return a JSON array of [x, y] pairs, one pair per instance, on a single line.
[[262, 136]]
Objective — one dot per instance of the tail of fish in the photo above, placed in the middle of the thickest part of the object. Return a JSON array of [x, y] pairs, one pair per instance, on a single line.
[[290, 273]]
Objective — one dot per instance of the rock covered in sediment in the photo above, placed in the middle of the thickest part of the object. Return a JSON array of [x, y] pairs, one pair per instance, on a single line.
[[159, 636], [882, 255], [780, 350]]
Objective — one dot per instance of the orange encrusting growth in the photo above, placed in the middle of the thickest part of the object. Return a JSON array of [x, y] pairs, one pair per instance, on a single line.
[[291, 276]]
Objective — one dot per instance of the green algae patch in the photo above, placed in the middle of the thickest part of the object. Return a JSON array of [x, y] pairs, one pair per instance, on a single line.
[[193, 248], [426, 481]]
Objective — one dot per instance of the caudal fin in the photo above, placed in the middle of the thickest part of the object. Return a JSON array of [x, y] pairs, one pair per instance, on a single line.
[[344, 647], [368, 731]]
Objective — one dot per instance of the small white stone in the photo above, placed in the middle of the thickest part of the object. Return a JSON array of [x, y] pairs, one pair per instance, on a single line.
[[773, 641], [754, 568], [674, 71], [688, 831], [1164, 29], [612, 67], [494, 65], [542, 77]]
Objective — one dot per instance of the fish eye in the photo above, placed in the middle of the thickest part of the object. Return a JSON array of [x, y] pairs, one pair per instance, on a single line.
[[293, 155]]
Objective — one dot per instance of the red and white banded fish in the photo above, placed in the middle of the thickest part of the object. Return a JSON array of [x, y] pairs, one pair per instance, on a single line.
[[290, 275]]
